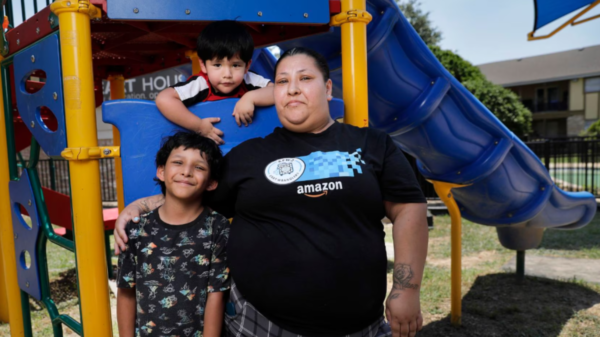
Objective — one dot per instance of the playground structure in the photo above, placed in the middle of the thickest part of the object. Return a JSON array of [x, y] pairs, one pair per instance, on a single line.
[[53, 62]]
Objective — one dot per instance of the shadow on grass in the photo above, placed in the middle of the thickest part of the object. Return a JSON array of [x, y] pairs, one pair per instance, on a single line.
[[496, 306], [579, 239]]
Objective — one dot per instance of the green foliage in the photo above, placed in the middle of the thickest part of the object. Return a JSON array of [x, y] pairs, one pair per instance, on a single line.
[[593, 130], [420, 21], [460, 68], [504, 103]]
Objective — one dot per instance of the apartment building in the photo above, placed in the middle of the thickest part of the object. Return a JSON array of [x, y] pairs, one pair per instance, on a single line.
[[562, 89]]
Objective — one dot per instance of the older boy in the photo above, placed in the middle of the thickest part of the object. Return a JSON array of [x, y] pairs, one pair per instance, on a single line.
[[173, 273]]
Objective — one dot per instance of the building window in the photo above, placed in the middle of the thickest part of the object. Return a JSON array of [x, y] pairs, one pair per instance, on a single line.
[[592, 84], [548, 99]]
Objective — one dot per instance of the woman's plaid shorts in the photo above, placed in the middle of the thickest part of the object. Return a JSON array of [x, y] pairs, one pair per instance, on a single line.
[[248, 322]]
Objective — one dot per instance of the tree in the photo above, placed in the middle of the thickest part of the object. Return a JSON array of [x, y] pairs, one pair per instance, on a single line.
[[502, 102], [420, 21], [593, 130], [460, 68]]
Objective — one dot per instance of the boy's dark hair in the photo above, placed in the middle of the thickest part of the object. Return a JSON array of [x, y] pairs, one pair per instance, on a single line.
[[225, 39], [320, 60], [190, 140]]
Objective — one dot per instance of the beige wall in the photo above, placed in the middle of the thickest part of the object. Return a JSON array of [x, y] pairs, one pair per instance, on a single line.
[[576, 97], [591, 105]]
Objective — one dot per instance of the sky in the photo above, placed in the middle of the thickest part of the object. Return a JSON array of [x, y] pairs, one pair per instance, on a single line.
[[484, 31]]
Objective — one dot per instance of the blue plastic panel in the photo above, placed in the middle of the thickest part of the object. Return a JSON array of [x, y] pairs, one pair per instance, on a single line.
[[25, 236], [45, 56], [142, 127], [547, 11], [263, 11], [454, 137]]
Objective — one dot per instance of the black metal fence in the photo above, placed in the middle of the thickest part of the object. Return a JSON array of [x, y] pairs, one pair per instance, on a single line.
[[54, 174], [573, 162]]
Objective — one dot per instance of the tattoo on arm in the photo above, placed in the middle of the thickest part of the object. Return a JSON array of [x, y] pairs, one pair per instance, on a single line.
[[403, 274]]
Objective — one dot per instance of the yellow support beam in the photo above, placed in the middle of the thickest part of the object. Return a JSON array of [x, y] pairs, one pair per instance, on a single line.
[[193, 56], [12, 292], [4, 318], [444, 191], [117, 91], [80, 115], [353, 21]]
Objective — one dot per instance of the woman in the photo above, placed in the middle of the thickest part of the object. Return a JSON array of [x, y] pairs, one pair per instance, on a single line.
[[306, 249]]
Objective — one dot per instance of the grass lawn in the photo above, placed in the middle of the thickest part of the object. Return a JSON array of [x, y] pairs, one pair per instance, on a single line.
[[493, 304]]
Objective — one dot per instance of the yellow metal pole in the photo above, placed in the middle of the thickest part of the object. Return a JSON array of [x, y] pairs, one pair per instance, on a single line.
[[117, 91], [3, 291], [78, 81], [353, 21], [193, 56], [444, 191], [7, 243]]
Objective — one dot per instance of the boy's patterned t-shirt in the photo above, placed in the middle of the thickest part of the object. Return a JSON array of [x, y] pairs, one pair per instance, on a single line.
[[173, 268]]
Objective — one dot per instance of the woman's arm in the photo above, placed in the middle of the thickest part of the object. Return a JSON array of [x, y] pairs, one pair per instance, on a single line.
[[126, 312], [410, 233], [132, 213], [213, 315]]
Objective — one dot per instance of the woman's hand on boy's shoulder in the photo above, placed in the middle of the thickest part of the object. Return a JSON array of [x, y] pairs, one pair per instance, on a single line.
[[130, 213]]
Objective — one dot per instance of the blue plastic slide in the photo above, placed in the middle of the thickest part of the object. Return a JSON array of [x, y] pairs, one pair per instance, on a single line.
[[454, 137], [428, 113]]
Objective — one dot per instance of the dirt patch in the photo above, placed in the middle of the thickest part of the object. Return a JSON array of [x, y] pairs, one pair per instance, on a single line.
[[62, 289], [467, 261], [438, 241]]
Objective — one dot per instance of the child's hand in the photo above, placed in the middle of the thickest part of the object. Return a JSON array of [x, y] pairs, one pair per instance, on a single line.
[[208, 130], [243, 111]]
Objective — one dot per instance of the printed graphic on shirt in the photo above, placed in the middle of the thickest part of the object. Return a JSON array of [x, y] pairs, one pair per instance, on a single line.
[[172, 270], [317, 165]]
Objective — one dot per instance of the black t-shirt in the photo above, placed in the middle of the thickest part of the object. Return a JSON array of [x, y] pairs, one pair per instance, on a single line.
[[173, 268], [307, 243]]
